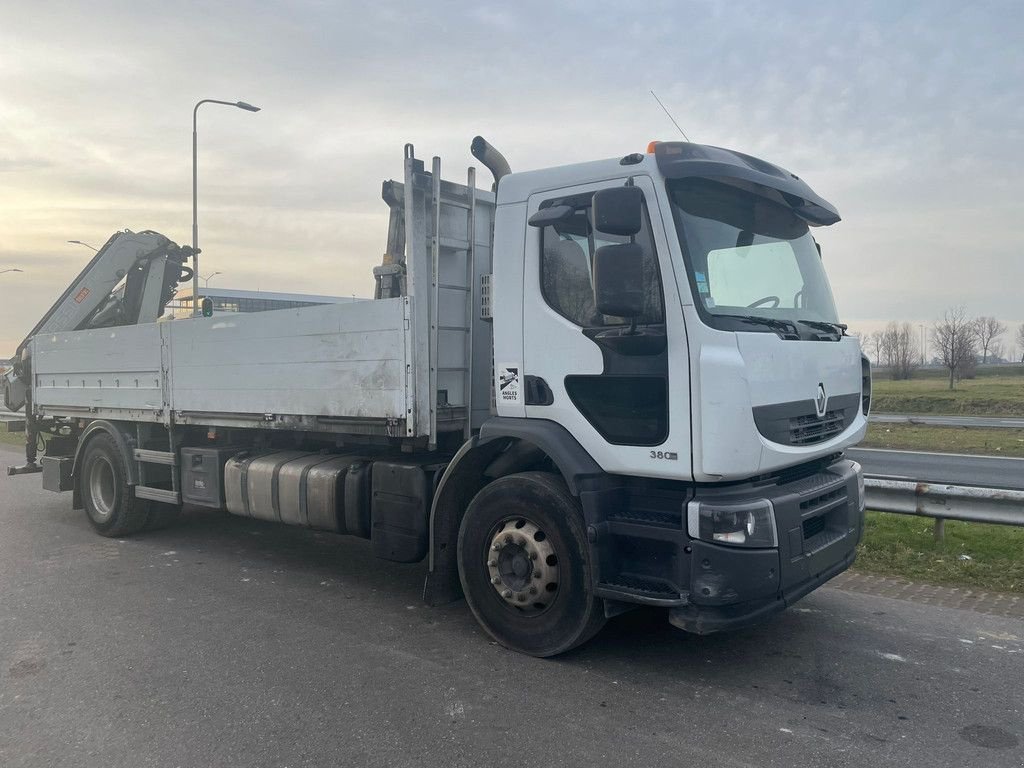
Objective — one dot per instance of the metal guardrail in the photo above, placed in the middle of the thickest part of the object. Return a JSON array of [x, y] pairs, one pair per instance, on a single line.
[[945, 502]]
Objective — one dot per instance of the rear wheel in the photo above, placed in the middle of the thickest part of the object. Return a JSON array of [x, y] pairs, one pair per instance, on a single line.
[[523, 562], [109, 501]]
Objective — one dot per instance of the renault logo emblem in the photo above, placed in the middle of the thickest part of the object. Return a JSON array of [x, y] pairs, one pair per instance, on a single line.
[[821, 401]]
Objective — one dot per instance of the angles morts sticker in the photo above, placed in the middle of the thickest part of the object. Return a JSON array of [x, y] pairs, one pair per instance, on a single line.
[[508, 383]]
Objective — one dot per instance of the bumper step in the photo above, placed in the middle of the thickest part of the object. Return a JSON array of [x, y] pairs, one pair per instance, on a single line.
[[641, 590]]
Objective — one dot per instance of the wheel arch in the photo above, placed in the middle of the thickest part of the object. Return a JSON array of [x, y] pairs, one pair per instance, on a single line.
[[123, 439], [500, 449]]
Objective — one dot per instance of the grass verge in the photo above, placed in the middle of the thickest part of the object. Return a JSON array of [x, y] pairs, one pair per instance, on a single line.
[[12, 438], [903, 545], [983, 396], [974, 440]]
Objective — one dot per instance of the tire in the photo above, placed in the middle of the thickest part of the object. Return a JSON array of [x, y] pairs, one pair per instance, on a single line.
[[109, 501], [523, 598]]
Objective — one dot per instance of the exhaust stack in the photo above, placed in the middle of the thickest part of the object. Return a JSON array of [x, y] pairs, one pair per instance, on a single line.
[[491, 158]]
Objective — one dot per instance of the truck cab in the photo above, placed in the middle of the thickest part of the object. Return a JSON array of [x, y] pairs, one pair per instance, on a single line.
[[663, 323]]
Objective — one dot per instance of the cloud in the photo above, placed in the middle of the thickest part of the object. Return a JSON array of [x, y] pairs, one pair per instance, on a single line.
[[24, 163], [907, 116]]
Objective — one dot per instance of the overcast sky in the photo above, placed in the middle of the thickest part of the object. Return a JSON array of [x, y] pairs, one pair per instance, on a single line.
[[909, 117]]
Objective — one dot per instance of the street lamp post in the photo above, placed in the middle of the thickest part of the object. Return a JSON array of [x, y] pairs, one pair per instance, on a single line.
[[79, 242], [209, 277], [195, 187]]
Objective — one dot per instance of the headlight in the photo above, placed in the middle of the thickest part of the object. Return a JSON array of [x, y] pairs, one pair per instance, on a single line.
[[746, 524]]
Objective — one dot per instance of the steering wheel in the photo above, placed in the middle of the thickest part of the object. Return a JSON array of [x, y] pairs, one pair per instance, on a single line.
[[765, 300]]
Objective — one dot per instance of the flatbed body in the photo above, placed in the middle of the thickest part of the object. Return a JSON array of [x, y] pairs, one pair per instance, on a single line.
[[240, 370]]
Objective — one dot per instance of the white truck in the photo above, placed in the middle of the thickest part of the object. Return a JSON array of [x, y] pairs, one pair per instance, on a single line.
[[604, 385]]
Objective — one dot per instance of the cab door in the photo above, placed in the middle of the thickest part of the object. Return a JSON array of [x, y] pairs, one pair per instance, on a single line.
[[619, 385]]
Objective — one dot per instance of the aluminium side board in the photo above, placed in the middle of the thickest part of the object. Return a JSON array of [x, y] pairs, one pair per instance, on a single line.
[[330, 368]]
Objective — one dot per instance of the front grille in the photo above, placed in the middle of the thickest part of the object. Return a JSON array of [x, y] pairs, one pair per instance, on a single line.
[[813, 526], [825, 517], [807, 430], [823, 499], [797, 423]]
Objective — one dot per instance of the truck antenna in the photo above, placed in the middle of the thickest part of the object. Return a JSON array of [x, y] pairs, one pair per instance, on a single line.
[[669, 115]]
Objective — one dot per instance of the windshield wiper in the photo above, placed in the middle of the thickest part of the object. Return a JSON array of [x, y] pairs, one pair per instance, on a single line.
[[778, 325], [838, 329]]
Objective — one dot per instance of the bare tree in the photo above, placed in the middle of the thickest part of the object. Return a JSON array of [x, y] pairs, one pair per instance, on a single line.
[[1020, 341], [955, 340], [899, 349], [874, 343], [988, 330], [884, 344]]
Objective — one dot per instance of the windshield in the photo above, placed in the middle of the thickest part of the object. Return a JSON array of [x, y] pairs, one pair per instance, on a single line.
[[748, 257]]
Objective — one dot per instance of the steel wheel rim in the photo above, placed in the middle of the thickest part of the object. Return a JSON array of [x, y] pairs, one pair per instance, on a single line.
[[522, 565], [102, 488]]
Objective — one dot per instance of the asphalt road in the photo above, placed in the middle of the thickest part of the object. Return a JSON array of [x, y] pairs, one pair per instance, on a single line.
[[222, 642], [953, 468], [947, 421]]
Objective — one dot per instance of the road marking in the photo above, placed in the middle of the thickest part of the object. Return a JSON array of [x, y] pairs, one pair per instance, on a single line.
[[891, 656]]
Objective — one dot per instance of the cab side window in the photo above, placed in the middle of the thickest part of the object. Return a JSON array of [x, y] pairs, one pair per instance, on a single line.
[[567, 267]]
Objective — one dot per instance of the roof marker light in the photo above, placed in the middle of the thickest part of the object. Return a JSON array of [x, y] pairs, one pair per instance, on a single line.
[[651, 146]]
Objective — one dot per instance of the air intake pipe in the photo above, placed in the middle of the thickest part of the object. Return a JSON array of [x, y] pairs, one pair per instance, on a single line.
[[491, 158]]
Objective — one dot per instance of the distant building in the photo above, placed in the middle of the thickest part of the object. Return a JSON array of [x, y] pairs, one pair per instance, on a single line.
[[230, 300]]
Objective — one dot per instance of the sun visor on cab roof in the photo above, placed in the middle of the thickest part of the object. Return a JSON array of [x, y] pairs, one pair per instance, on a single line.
[[678, 159]]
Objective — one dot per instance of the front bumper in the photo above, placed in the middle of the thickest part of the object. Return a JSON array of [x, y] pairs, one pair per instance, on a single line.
[[710, 587], [706, 619]]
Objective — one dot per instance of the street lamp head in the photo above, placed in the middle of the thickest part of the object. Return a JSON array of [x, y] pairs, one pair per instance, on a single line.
[[246, 106]]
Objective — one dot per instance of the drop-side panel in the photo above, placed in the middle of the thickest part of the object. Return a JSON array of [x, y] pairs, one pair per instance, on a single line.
[[98, 369], [345, 361]]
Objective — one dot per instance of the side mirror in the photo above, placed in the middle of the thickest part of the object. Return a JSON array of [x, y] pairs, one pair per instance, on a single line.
[[554, 214], [618, 211], [619, 280]]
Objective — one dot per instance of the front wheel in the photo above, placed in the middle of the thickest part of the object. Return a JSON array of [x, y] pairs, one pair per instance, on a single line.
[[524, 565]]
